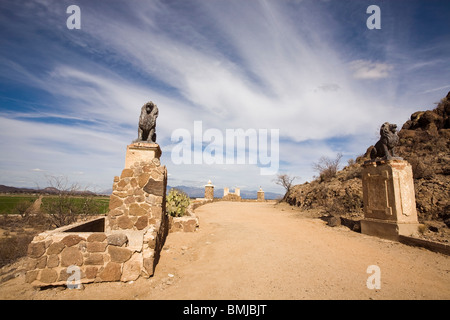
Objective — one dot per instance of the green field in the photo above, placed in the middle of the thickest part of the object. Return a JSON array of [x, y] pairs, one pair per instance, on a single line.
[[9, 202]]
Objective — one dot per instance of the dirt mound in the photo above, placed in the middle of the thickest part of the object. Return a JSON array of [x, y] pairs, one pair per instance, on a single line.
[[424, 141]]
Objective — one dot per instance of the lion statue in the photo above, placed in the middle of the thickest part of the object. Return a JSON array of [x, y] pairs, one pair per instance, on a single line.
[[147, 123], [384, 148]]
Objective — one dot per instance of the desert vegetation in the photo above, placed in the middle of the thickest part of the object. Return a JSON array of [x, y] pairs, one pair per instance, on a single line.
[[22, 216], [177, 202]]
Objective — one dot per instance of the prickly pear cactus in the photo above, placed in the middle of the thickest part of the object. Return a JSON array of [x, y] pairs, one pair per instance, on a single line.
[[176, 203]]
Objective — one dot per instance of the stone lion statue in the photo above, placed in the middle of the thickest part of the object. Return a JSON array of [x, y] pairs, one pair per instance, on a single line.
[[147, 123], [384, 148]]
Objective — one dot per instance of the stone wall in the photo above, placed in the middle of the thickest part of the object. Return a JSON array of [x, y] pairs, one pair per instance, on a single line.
[[189, 222], [134, 230], [100, 256], [231, 197], [138, 196]]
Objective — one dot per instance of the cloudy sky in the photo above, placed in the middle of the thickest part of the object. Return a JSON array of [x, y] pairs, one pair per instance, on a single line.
[[70, 98]]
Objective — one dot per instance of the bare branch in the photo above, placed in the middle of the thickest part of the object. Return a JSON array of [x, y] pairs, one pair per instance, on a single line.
[[326, 167]]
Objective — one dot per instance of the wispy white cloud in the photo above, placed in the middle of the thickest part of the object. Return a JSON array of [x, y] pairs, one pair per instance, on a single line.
[[363, 69]]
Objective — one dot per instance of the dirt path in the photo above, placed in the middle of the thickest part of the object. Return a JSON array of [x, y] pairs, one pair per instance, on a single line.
[[261, 251]]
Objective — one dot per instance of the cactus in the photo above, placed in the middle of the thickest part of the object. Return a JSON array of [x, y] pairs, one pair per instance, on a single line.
[[176, 203]]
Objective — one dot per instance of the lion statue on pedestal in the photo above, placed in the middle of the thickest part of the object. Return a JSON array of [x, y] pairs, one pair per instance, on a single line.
[[147, 123], [384, 148]]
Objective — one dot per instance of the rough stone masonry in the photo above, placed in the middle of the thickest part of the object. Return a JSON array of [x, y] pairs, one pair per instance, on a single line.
[[121, 247]]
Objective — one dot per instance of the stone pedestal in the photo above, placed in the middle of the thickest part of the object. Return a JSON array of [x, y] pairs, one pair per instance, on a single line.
[[137, 205], [141, 151], [260, 195], [389, 199], [209, 191]]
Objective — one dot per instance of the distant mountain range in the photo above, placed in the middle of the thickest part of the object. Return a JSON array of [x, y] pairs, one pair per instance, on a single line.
[[196, 192], [193, 192], [48, 190]]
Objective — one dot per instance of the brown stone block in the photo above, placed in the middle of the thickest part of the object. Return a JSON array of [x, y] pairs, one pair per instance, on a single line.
[[30, 263], [53, 261], [124, 222], [30, 276], [115, 212], [96, 246], [136, 210], [71, 256], [117, 239], [72, 240], [119, 254], [55, 248], [48, 275], [94, 259], [121, 186], [91, 272], [36, 249], [148, 265], [112, 272], [129, 200], [140, 198], [157, 188], [96, 237], [132, 268], [41, 262], [143, 179], [141, 222], [148, 168], [126, 173], [64, 275], [115, 202], [190, 225], [120, 194], [156, 212]]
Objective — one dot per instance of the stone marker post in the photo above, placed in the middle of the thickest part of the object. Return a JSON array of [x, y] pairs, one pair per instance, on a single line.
[[260, 195], [389, 199], [209, 191]]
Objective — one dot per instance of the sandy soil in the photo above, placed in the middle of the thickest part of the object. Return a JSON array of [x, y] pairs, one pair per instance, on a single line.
[[264, 251]]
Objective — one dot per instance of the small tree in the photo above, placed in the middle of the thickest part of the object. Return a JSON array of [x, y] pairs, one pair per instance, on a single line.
[[23, 208], [327, 167], [286, 182], [67, 203]]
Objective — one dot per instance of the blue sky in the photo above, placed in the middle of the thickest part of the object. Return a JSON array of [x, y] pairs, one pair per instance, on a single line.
[[70, 99]]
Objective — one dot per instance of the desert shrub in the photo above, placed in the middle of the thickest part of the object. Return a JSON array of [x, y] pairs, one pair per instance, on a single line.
[[12, 248], [176, 203], [327, 167], [22, 208]]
